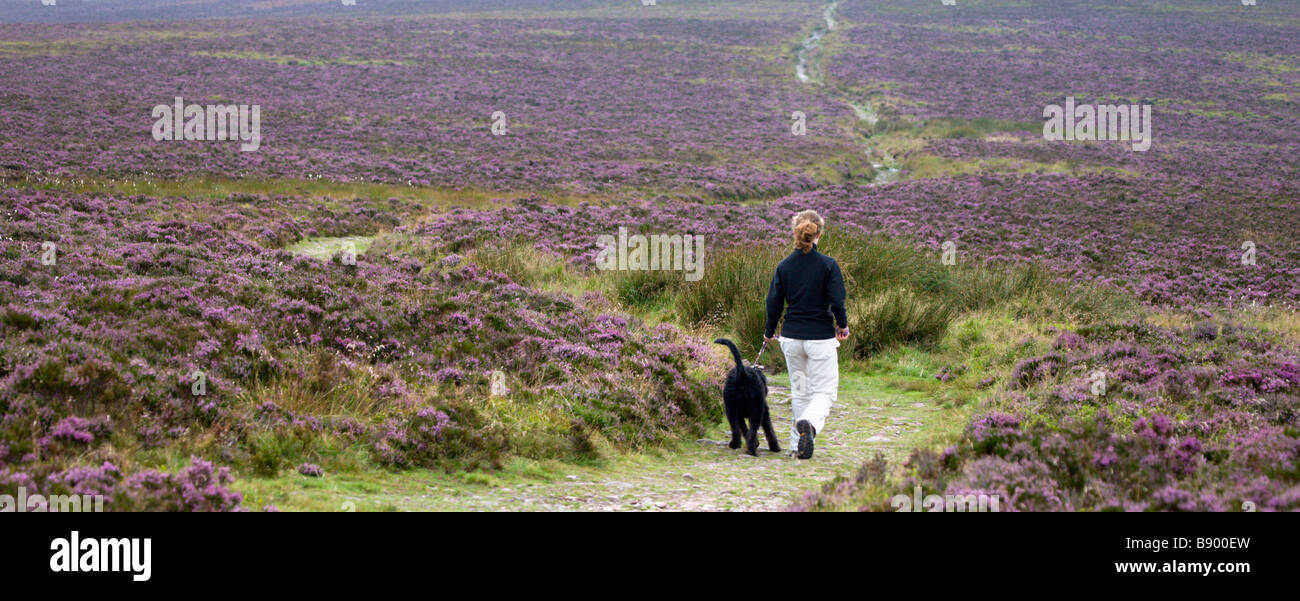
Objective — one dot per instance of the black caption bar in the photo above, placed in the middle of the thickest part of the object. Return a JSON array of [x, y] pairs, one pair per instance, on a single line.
[[418, 550]]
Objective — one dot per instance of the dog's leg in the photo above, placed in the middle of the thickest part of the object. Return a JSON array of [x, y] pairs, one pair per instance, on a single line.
[[751, 435], [772, 443], [737, 426]]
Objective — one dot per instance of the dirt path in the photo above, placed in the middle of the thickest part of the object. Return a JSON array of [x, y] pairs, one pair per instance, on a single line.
[[707, 476], [872, 414]]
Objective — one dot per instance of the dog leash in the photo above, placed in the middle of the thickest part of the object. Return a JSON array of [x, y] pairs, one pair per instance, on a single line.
[[761, 348]]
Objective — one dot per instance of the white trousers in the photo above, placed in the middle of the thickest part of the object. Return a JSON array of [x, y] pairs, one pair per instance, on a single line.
[[814, 381]]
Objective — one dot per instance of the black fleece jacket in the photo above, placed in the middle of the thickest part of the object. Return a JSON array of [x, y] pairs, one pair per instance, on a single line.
[[813, 287]]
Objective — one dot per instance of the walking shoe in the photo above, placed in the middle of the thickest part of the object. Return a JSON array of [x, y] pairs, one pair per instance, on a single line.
[[806, 435]]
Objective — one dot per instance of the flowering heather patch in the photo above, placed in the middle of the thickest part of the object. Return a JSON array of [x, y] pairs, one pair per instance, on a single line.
[[1222, 79], [144, 293], [146, 10], [591, 102], [76, 429], [1002, 59], [197, 487], [1183, 423]]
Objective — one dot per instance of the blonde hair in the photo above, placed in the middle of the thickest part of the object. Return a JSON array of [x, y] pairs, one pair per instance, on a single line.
[[807, 226]]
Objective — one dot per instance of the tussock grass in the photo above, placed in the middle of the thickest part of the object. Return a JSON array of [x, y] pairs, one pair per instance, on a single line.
[[520, 262], [648, 290], [731, 295], [328, 388], [898, 293], [896, 316]]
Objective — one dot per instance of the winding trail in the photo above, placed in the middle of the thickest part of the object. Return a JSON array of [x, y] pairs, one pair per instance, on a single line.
[[809, 71], [802, 66]]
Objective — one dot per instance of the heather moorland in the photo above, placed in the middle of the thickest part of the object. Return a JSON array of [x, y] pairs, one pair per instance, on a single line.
[[395, 300]]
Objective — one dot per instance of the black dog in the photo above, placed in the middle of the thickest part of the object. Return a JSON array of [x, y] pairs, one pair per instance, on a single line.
[[745, 396]]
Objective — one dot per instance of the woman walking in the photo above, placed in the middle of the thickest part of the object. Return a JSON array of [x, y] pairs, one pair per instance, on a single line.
[[809, 288]]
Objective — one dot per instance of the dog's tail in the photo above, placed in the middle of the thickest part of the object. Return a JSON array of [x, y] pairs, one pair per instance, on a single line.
[[735, 352]]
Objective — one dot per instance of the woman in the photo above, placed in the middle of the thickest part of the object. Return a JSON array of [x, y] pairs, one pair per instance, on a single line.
[[809, 288]]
